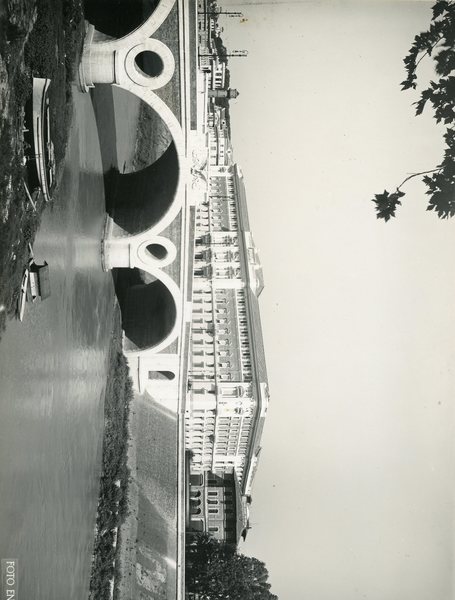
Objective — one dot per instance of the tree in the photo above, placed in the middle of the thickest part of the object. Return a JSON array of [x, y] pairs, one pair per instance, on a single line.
[[215, 570], [436, 43]]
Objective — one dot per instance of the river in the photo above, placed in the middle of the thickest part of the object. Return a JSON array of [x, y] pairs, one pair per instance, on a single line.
[[53, 375]]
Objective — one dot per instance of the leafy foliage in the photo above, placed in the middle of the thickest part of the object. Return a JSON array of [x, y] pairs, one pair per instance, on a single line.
[[437, 42], [386, 204], [215, 570]]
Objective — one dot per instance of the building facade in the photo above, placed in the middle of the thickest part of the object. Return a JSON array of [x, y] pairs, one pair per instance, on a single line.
[[227, 388], [219, 141], [217, 506]]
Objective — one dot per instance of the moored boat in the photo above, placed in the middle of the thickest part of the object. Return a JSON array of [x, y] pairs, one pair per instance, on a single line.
[[39, 281], [40, 160], [23, 294], [35, 284]]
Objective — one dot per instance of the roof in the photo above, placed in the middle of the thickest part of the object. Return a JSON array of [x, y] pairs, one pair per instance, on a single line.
[[257, 340], [241, 197], [255, 280], [254, 267]]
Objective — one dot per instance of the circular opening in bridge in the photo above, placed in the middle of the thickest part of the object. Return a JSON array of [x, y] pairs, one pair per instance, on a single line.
[[157, 251], [162, 375], [150, 63]]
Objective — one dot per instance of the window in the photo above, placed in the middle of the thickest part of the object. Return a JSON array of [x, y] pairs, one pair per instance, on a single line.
[[196, 479], [197, 525]]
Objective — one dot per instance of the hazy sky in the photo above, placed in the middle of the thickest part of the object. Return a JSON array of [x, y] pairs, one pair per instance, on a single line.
[[354, 497]]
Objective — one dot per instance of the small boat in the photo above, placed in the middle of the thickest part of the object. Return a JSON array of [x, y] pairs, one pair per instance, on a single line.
[[39, 281], [23, 295], [35, 284], [41, 160]]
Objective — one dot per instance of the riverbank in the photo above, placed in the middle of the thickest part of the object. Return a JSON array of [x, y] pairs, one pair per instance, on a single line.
[[41, 38], [152, 138], [115, 475]]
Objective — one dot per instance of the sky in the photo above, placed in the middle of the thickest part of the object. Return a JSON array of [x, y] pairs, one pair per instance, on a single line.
[[354, 495]]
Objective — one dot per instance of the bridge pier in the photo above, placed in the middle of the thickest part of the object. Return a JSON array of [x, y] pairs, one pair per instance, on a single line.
[[97, 62], [109, 60], [145, 251], [114, 61], [158, 373], [115, 252]]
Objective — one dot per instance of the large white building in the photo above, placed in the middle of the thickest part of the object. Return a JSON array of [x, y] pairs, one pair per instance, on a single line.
[[227, 396], [228, 391]]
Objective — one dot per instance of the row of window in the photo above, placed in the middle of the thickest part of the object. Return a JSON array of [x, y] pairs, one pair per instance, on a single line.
[[207, 375]]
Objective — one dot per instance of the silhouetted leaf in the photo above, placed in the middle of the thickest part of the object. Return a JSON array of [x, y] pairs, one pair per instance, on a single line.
[[439, 8], [420, 106], [438, 39], [386, 204]]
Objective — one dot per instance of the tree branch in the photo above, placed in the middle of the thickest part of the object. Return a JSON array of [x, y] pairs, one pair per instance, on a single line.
[[428, 51], [417, 175]]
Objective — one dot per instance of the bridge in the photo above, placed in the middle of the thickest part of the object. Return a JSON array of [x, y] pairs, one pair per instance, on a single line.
[[149, 240]]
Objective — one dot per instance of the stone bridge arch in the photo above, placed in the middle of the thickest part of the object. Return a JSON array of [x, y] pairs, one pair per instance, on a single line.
[[117, 18], [176, 154], [150, 303], [139, 200], [139, 25], [153, 22]]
